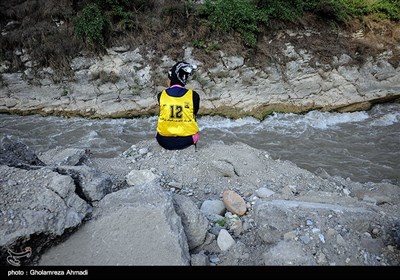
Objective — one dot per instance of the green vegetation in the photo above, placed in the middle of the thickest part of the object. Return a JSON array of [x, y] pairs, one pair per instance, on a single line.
[[96, 19], [206, 46], [245, 17], [345, 10], [53, 31], [242, 16], [221, 222], [91, 25]]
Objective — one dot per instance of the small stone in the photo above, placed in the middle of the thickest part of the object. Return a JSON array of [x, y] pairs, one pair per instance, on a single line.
[[214, 259], [213, 207], [234, 202], [225, 240], [264, 192], [143, 151]]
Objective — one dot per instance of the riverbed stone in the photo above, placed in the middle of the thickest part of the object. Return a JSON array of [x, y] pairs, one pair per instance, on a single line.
[[234, 202]]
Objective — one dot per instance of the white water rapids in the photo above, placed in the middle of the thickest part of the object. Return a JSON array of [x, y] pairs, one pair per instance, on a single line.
[[363, 146]]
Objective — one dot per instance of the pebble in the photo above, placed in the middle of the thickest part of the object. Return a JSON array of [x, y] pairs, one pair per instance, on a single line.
[[234, 202], [214, 259], [225, 240]]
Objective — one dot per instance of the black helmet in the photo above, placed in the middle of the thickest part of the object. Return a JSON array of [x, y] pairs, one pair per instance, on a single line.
[[180, 72]]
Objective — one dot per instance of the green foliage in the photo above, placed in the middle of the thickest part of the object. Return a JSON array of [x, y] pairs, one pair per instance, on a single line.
[[221, 222], [238, 15], [90, 25], [245, 16], [117, 12], [343, 10], [389, 9], [99, 16], [336, 10], [282, 9], [206, 46], [190, 7], [200, 44]]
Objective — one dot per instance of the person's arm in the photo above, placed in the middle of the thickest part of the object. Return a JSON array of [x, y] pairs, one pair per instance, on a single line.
[[158, 97], [196, 102]]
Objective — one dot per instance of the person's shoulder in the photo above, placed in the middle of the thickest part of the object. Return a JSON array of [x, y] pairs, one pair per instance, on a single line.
[[161, 91], [194, 92]]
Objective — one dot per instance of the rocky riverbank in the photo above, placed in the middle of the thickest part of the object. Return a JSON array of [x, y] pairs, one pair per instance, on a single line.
[[219, 205], [124, 83]]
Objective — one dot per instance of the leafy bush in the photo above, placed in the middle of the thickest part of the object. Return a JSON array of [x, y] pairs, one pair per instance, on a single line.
[[238, 15], [389, 9], [242, 16], [117, 12], [343, 10], [99, 16], [282, 9], [91, 25], [336, 10]]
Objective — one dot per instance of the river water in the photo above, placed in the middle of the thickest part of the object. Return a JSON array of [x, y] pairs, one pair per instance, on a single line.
[[363, 146]]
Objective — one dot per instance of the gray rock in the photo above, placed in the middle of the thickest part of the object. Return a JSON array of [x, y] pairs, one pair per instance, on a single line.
[[15, 153], [372, 245], [213, 207], [275, 218], [288, 253], [194, 222], [396, 234], [93, 184], [134, 226], [60, 156], [264, 192], [136, 217], [116, 168], [37, 206], [199, 259], [225, 240], [139, 177]]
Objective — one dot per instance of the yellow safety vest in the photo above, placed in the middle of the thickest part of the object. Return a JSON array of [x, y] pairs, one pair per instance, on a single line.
[[176, 115]]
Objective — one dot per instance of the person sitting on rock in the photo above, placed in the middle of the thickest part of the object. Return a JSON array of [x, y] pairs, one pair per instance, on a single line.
[[176, 126]]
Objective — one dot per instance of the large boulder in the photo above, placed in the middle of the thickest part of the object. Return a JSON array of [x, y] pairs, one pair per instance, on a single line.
[[36, 206], [133, 226]]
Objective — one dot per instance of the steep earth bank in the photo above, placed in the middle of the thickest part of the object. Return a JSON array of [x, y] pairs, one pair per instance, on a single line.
[[294, 68]]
